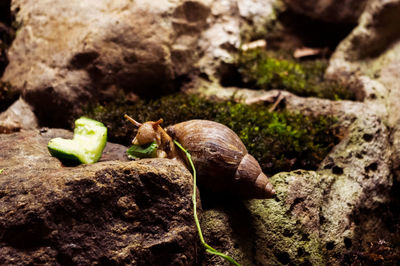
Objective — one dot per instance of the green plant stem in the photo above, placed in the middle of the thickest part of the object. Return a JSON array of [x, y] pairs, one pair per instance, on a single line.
[[209, 249]]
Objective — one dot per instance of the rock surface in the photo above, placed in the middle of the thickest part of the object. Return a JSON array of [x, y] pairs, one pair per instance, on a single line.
[[346, 212], [90, 50], [368, 59], [229, 22], [111, 212], [18, 116], [60, 60], [316, 216]]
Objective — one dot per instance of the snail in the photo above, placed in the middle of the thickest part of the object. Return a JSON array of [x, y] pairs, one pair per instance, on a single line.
[[220, 157]]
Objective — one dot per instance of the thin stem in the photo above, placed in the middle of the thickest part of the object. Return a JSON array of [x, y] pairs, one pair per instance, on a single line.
[[209, 249]]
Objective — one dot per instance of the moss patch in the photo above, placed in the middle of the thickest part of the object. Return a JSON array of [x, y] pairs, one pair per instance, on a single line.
[[280, 141], [260, 69]]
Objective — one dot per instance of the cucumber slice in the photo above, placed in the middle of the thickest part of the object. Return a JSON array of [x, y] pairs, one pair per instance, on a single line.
[[90, 138]]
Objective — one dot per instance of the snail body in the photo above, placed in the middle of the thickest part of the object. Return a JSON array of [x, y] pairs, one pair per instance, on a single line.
[[220, 157]]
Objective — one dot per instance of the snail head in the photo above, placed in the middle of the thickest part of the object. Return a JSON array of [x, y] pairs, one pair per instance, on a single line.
[[148, 132]]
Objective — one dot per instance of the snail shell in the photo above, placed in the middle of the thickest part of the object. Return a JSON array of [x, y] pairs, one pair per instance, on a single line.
[[221, 159]]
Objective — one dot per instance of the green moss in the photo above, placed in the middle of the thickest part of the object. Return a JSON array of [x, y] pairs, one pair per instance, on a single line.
[[264, 70], [280, 141]]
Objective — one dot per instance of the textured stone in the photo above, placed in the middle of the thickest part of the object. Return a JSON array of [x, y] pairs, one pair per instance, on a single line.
[[346, 212], [18, 116], [273, 231], [361, 167], [228, 230], [316, 218], [228, 22], [61, 59], [110, 212], [368, 60]]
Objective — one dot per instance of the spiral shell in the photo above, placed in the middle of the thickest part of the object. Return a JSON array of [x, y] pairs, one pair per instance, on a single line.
[[221, 159]]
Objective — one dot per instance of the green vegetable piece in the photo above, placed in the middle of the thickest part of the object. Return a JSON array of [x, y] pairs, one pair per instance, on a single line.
[[90, 138], [146, 151]]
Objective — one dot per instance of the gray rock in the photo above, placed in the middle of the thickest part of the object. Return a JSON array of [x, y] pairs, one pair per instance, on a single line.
[[360, 168], [110, 212], [18, 116], [368, 60]]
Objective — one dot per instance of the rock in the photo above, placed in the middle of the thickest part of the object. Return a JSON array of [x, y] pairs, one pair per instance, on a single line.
[[368, 59], [140, 212], [61, 59], [228, 232], [374, 34], [318, 217], [321, 217], [286, 229], [345, 11], [18, 116], [360, 168], [110, 212], [374, 38], [231, 23], [356, 193]]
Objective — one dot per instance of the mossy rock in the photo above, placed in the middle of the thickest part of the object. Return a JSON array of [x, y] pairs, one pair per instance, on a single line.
[[260, 69], [280, 231], [280, 141], [282, 236]]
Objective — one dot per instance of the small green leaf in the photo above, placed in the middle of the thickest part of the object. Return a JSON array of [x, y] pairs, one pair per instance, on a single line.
[[1, 170], [146, 151]]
